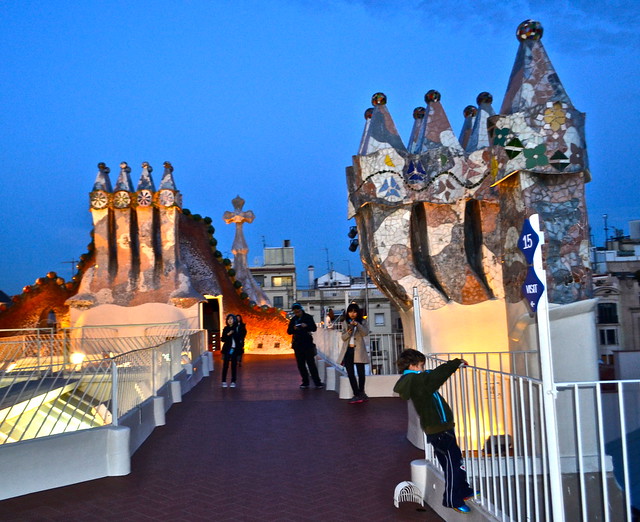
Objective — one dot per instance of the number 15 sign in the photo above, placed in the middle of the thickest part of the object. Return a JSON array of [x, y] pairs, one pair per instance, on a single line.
[[532, 288]]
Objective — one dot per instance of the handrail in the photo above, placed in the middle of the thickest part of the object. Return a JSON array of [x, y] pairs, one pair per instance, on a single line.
[[47, 388], [500, 427]]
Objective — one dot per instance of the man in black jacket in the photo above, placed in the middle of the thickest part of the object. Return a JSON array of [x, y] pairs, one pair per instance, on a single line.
[[301, 327]]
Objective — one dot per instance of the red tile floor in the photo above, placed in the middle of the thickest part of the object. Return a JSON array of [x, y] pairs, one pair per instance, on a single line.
[[264, 451]]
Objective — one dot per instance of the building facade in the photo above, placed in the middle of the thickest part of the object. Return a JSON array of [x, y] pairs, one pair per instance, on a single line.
[[617, 285], [335, 291], [331, 291], [277, 275]]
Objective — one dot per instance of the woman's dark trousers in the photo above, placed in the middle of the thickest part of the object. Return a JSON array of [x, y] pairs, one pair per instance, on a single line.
[[356, 385], [233, 358]]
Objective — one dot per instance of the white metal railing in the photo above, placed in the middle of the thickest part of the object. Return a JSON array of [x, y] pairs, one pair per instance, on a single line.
[[600, 446], [62, 393], [500, 425], [383, 349], [383, 352], [522, 363]]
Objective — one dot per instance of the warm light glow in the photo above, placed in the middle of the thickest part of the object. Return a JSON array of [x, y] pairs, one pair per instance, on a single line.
[[486, 402], [11, 367], [76, 358]]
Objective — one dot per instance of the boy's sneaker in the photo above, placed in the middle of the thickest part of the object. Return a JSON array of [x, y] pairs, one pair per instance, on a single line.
[[233, 384], [356, 399], [304, 386], [463, 509], [224, 384], [364, 397], [319, 386]]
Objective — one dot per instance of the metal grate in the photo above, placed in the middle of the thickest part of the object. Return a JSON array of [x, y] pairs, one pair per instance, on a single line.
[[407, 491]]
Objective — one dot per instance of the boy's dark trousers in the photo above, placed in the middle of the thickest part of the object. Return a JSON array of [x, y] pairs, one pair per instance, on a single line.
[[456, 487]]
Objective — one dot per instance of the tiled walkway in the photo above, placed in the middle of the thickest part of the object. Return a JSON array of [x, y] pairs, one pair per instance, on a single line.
[[264, 451]]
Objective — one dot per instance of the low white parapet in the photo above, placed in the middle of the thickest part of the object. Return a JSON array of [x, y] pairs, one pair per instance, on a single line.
[[59, 460], [375, 386], [69, 458]]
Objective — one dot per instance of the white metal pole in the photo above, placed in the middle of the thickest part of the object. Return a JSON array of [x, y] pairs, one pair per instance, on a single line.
[[417, 322], [366, 295], [548, 386], [153, 370], [114, 393]]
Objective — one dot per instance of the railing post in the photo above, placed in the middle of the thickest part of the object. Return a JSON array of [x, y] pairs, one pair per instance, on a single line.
[[417, 321], [65, 350], [39, 346], [549, 391], [154, 353], [114, 393]]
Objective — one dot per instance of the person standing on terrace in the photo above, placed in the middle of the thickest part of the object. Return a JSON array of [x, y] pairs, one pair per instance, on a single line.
[[300, 328], [242, 330], [231, 345], [354, 351]]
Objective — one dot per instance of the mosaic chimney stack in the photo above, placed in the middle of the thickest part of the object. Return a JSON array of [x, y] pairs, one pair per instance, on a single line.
[[146, 216], [443, 214], [136, 243], [125, 238]]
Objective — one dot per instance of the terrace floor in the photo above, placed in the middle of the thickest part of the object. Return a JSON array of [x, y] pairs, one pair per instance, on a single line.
[[263, 451]]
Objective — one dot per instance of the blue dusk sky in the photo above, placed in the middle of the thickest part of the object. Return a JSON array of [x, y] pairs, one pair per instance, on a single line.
[[266, 100]]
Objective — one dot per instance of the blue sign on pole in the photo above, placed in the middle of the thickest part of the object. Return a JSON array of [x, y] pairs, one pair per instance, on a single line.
[[528, 241], [532, 289]]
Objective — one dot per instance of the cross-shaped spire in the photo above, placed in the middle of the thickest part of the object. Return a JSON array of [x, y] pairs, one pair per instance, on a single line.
[[238, 217]]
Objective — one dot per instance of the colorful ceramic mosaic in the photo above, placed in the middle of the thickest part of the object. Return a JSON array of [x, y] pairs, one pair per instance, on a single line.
[[529, 30], [378, 98], [443, 214]]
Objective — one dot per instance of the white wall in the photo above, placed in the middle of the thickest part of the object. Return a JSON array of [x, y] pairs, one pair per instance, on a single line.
[[148, 313]]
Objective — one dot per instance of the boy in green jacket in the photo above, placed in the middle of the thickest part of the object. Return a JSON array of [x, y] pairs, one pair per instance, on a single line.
[[436, 419]]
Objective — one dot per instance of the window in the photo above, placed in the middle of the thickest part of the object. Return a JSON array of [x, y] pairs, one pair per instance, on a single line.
[[608, 336], [607, 313], [379, 319], [278, 301], [282, 281], [259, 279]]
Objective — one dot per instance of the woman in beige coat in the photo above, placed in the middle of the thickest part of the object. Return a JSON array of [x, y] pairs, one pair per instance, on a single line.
[[354, 351]]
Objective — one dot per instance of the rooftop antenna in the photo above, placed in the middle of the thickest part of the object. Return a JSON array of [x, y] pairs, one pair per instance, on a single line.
[[264, 242], [73, 264], [349, 265], [328, 262]]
